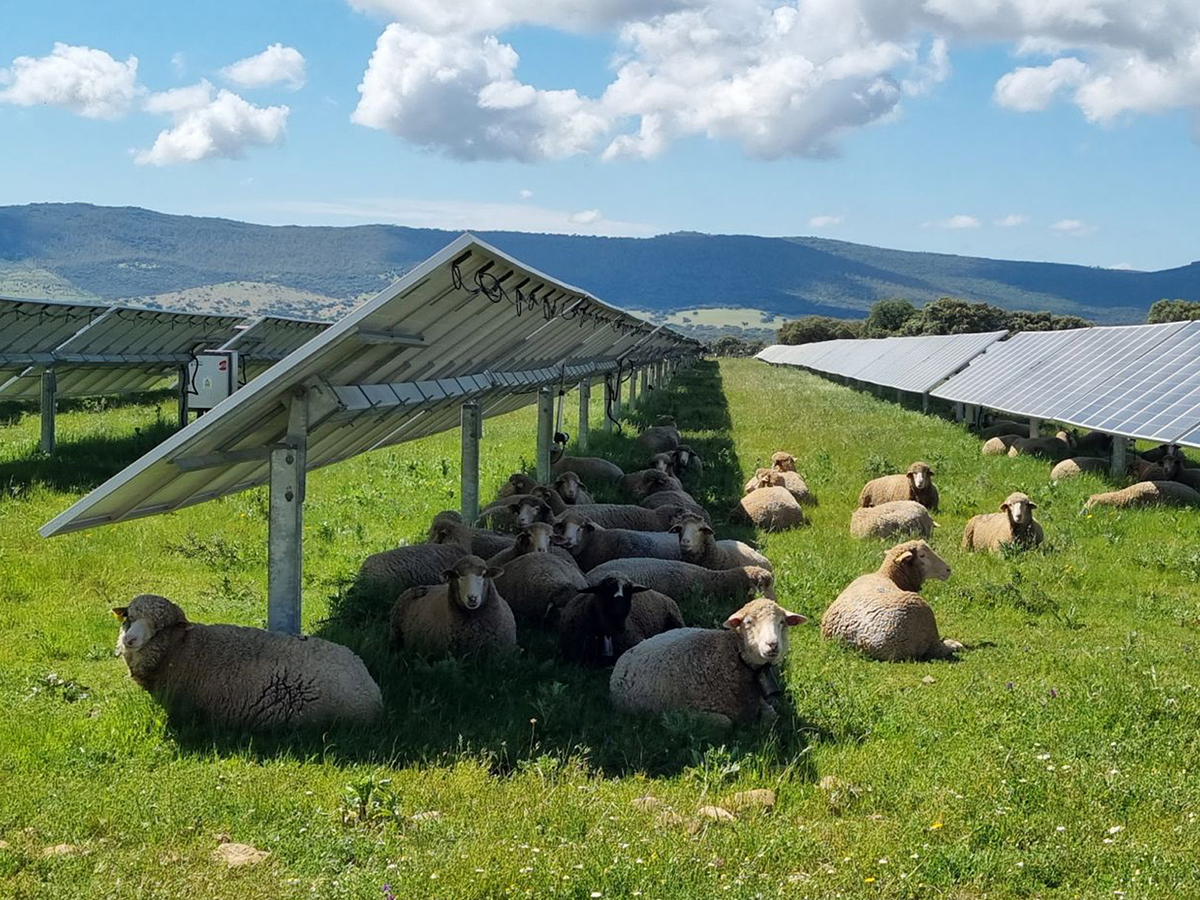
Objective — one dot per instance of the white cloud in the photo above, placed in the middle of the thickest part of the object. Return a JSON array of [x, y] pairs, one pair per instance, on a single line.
[[179, 63], [1029, 89], [484, 16], [1074, 227], [525, 194], [207, 126], [1122, 267], [959, 221], [459, 215], [825, 221], [586, 217], [274, 65], [1013, 220], [86, 81]]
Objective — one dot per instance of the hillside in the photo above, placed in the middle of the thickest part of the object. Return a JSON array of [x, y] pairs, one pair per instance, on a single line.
[[130, 253]]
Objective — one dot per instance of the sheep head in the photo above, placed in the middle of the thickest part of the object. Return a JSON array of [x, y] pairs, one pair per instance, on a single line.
[[571, 528], [653, 481], [535, 538], [1019, 508], [662, 462], [468, 582], [529, 509], [144, 617], [783, 462], [613, 600], [448, 528], [760, 581], [764, 478], [914, 562], [665, 422], [920, 476], [568, 485], [682, 457], [761, 626], [695, 535]]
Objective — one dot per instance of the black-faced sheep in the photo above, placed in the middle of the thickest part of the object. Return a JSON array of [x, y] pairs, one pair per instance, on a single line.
[[1166, 469], [726, 674], [1093, 442], [687, 463], [661, 437], [682, 579], [645, 482], [1058, 447], [448, 528], [1078, 465], [698, 545], [606, 619], [882, 615], [889, 520], [914, 484], [1014, 524], [771, 509], [465, 615], [242, 677], [1147, 493], [571, 489]]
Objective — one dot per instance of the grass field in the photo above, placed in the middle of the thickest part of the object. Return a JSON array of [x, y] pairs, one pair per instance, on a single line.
[[1057, 759]]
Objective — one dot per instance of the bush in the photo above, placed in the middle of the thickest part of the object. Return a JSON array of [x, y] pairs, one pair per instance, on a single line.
[[811, 329]]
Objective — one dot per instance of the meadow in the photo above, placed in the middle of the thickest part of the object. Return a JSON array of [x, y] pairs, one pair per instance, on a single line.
[[1057, 758]]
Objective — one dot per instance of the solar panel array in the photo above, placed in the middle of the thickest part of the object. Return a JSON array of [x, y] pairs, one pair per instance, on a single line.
[[264, 341], [470, 323], [31, 329], [907, 363]]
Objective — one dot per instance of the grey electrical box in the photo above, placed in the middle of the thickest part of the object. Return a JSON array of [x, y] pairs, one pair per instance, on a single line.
[[212, 376]]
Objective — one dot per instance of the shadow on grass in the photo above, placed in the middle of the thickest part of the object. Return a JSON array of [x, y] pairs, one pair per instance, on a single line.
[[530, 709]]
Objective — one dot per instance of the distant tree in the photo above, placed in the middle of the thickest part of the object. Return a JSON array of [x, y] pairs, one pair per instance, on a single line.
[[887, 317], [1173, 311], [735, 346], [810, 329], [1023, 320], [952, 316]]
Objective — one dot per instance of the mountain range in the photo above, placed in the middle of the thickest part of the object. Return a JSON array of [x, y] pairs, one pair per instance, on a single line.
[[127, 253]]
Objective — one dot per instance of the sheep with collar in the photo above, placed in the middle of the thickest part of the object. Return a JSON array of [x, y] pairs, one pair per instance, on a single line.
[[242, 677], [607, 618], [1013, 525], [726, 674], [463, 616]]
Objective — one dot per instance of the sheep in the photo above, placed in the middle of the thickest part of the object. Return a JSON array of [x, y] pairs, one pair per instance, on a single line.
[[644, 482], [890, 520], [606, 619], [545, 503], [1189, 477], [537, 585], [242, 677], [1077, 465], [1166, 469], [698, 545], [661, 437], [663, 462], [915, 484], [771, 509], [785, 465], [592, 469], [1014, 524], [1058, 447], [764, 478], [383, 576], [999, 445], [518, 483], [535, 538], [726, 674], [687, 461], [466, 615], [448, 528], [1004, 428], [1147, 493], [680, 579], [682, 499], [1093, 442], [592, 544], [882, 615], [571, 489]]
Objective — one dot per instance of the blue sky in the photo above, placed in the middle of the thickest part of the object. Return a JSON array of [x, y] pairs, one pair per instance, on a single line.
[[1010, 129]]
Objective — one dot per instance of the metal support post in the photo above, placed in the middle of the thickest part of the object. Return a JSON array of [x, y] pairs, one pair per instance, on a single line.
[[472, 431], [585, 404], [925, 402], [645, 385], [900, 396], [1034, 428], [633, 394], [1120, 447], [49, 408], [545, 433], [183, 396], [285, 529], [960, 412]]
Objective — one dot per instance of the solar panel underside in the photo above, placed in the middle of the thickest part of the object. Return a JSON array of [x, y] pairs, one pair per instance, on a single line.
[[367, 386], [267, 340]]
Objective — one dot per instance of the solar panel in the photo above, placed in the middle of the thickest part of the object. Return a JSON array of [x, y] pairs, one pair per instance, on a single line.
[[396, 368], [264, 341], [31, 329]]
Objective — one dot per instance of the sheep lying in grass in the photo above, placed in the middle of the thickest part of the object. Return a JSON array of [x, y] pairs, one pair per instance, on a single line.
[[382, 576], [592, 469], [881, 613], [465, 615], [682, 499], [698, 545], [1166, 469], [1078, 465], [771, 509], [914, 484], [763, 478], [535, 538], [687, 462], [592, 544], [517, 483], [645, 482], [570, 488], [1004, 428], [544, 504], [1147, 493], [726, 674], [606, 619], [538, 585], [663, 462], [999, 445], [785, 464], [448, 528], [681, 579], [1013, 525], [1058, 447], [894, 519], [1093, 442], [242, 677], [661, 437]]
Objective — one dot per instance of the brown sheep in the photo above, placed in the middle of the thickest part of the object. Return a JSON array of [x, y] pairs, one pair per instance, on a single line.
[[466, 615], [571, 489], [915, 484], [1057, 448], [1014, 524], [1147, 493], [771, 509]]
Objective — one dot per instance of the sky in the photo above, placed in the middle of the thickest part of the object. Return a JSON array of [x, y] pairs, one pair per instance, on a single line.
[[1061, 130]]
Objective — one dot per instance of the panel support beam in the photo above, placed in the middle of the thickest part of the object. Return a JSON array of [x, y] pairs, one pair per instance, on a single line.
[[401, 338], [645, 377], [545, 433], [49, 409], [1035, 427], [925, 402], [633, 390], [1120, 447], [285, 528], [472, 431], [585, 403]]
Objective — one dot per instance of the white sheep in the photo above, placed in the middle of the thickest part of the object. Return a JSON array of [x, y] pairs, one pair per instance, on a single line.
[[771, 509], [725, 674], [882, 615], [242, 677], [606, 619], [465, 615], [698, 545], [1147, 493], [785, 464], [1077, 465], [889, 520], [1014, 524], [592, 545], [914, 484]]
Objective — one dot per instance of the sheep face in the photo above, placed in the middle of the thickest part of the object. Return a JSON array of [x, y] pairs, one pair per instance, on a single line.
[[468, 582], [661, 462], [568, 484], [571, 528], [761, 626], [447, 531], [764, 478], [1171, 465], [694, 534], [918, 557], [614, 600], [536, 538], [521, 483], [761, 582], [920, 475], [529, 510], [145, 616], [665, 421], [683, 456], [1019, 508], [783, 462]]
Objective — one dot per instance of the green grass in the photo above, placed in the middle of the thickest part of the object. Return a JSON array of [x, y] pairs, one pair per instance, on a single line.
[[1074, 709]]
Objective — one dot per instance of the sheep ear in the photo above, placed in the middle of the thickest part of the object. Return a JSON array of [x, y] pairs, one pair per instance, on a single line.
[[791, 618], [906, 557], [637, 588], [121, 612], [733, 622], [1004, 506], [493, 572], [706, 529], [675, 529], [589, 525], [1032, 505], [449, 575]]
